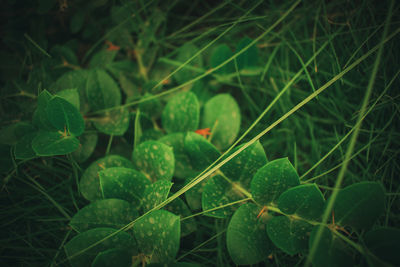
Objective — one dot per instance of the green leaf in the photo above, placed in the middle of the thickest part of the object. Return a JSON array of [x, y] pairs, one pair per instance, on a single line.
[[152, 107], [359, 205], [155, 193], [243, 167], [200, 151], [222, 115], [88, 142], [112, 213], [101, 90], [23, 149], [272, 180], [64, 116], [114, 122], [217, 192], [113, 257], [290, 235], [182, 113], [246, 239], [12, 134], [385, 244], [179, 207], [74, 79], [89, 184], [71, 95], [220, 54], [248, 59], [158, 235], [183, 165], [53, 144], [123, 183], [194, 195], [155, 159], [76, 245], [77, 20], [305, 201], [331, 251], [40, 118], [102, 58], [185, 52]]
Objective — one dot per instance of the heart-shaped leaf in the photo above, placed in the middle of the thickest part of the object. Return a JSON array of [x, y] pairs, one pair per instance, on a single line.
[[82, 241], [155, 193], [101, 90], [385, 244], [113, 257], [23, 149], [182, 113], [54, 143], [158, 235], [90, 185], [220, 54], [71, 95], [272, 180], [114, 122], [243, 167], [123, 183], [248, 59], [178, 207], [111, 213], [155, 159], [183, 165], [185, 52], [222, 115], [200, 151], [217, 192], [64, 116], [305, 201], [246, 236], [359, 205], [331, 251], [88, 142], [289, 234]]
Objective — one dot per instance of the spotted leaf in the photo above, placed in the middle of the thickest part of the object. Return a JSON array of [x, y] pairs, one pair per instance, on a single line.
[[114, 122], [155, 194]]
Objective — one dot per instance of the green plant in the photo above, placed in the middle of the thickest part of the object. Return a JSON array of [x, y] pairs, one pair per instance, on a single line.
[[159, 149]]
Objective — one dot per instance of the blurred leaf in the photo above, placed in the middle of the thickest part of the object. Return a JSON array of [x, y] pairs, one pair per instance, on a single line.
[[185, 52], [359, 205], [220, 54], [222, 115], [113, 122], [182, 113], [246, 237], [248, 59], [113, 257], [88, 142], [120, 240], [123, 183], [77, 20], [53, 144], [71, 95], [158, 235], [23, 149], [40, 118], [102, 58], [152, 108], [272, 180], [385, 244], [155, 194], [89, 184], [155, 159], [112, 213], [12, 134]]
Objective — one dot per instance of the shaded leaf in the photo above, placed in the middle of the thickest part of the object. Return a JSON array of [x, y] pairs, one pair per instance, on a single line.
[[200, 151], [155, 193], [88, 142], [194, 195], [71, 95], [183, 164], [40, 118], [179, 207], [288, 234], [89, 183], [113, 122], [248, 59], [53, 144], [101, 90], [220, 54], [305, 201], [155, 159], [222, 115], [385, 244], [182, 113], [151, 107], [243, 167], [111, 213], [123, 183], [102, 58], [113, 257], [359, 205], [77, 20], [185, 52], [12, 134], [64, 116], [23, 149], [246, 236], [76, 245], [272, 180], [158, 235]]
